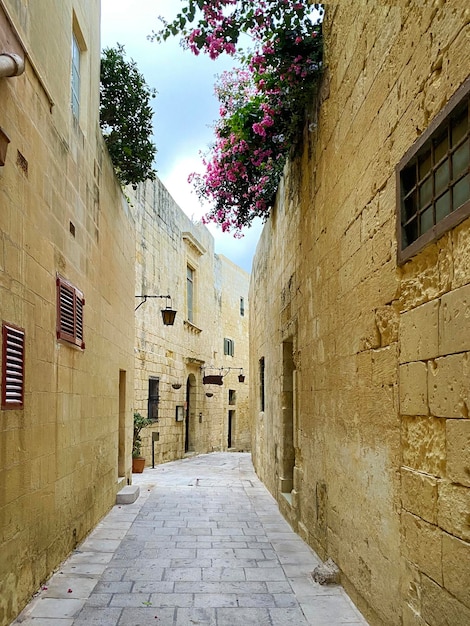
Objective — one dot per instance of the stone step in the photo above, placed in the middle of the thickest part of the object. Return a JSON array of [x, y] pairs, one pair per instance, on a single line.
[[128, 494]]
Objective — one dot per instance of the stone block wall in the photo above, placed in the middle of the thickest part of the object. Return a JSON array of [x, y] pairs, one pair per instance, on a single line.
[[167, 243], [65, 453], [375, 441]]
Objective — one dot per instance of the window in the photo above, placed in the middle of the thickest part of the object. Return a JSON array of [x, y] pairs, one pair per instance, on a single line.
[[229, 347], [434, 178], [261, 383], [190, 293], [70, 303], [232, 395], [12, 367], [242, 307], [75, 91], [154, 398]]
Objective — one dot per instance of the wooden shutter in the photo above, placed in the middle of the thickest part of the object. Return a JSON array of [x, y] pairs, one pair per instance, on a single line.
[[12, 367], [70, 303]]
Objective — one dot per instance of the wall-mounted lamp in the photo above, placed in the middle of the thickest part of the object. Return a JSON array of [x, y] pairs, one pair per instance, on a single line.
[[218, 378], [168, 314]]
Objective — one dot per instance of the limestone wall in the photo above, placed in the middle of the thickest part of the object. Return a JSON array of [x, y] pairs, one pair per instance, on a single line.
[[167, 243], [364, 436], [61, 213]]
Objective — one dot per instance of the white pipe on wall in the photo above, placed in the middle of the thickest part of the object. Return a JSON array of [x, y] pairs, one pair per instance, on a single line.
[[10, 65]]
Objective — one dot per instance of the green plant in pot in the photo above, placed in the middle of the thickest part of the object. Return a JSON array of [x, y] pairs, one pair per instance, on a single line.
[[138, 462]]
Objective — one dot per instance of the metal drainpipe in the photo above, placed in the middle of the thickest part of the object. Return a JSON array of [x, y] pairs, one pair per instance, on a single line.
[[10, 65]]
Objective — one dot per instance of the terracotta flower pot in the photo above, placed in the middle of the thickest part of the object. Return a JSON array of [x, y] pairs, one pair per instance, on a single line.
[[138, 464]]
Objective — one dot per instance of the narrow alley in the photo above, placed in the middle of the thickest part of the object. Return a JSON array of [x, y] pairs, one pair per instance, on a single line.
[[204, 543]]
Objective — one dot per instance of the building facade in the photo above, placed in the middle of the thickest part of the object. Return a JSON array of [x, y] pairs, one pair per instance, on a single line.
[[66, 295], [359, 322], [175, 257]]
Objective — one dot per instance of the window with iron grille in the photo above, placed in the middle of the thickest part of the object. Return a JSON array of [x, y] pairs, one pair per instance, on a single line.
[[229, 347], [433, 178], [261, 383], [154, 398], [12, 367], [70, 303]]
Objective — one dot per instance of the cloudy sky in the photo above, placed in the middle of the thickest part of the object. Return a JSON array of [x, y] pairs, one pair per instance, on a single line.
[[185, 106]]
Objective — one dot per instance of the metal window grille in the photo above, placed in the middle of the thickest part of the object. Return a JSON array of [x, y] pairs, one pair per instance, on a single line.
[[153, 398], [434, 178], [261, 384]]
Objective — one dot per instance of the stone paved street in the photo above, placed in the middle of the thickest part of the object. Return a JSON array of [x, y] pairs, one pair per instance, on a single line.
[[204, 544]]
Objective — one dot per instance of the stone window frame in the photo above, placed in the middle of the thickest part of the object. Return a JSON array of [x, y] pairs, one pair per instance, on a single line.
[[190, 292], [13, 366], [70, 304], [77, 70], [417, 177], [229, 347]]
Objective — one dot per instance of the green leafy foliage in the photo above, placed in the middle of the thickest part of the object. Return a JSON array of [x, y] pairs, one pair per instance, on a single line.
[[126, 117], [140, 422]]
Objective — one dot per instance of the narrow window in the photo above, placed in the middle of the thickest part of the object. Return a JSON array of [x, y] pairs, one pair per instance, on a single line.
[[261, 383], [70, 303], [229, 347], [242, 307], [12, 367], [190, 293], [433, 178], [75, 87], [154, 398], [232, 395]]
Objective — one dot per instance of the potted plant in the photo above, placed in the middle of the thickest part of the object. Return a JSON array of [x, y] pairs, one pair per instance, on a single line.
[[138, 462]]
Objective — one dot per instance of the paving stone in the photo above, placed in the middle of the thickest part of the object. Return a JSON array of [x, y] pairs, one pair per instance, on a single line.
[[152, 616], [196, 616], [186, 554], [242, 617]]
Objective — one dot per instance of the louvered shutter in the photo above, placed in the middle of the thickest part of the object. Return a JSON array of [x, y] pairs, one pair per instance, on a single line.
[[70, 303], [12, 367]]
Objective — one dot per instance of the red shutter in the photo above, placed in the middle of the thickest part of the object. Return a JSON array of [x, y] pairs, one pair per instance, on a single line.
[[12, 367], [70, 303]]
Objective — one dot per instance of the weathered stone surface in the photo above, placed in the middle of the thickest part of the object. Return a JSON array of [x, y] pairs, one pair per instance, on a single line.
[[454, 321], [458, 451], [327, 573], [422, 545], [440, 608], [455, 553], [423, 444], [448, 389], [419, 494], [419, 332], [414, 388], [453, 509], [373, 387]]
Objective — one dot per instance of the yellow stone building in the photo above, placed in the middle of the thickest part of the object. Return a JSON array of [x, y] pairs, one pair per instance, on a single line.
[[359, 323], [175, 257], [66, 295]]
